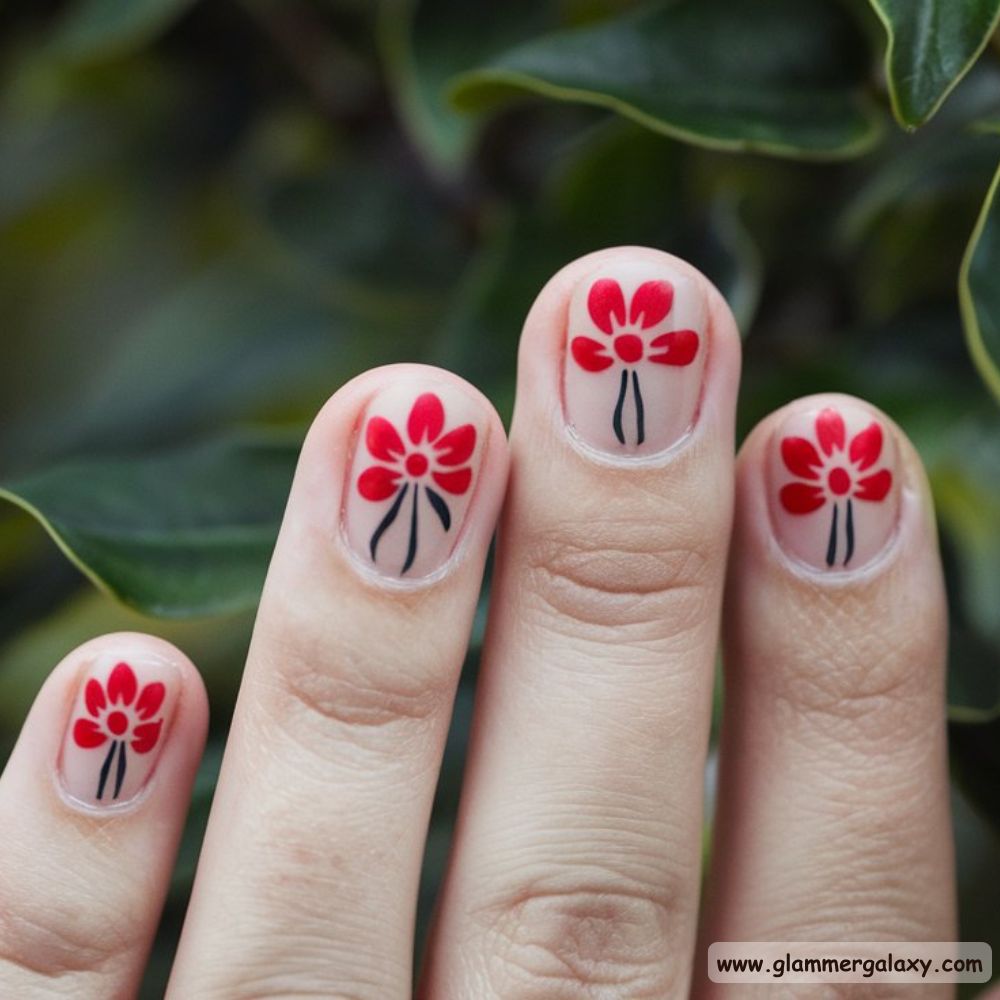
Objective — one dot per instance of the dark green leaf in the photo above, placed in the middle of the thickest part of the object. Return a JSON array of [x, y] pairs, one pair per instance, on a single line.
[[931, 45], [979, 291], [651, 203], [920, 191], [787, 80], [216, 645], [180, 534], [426, 42], [96, 29], [236, 342]]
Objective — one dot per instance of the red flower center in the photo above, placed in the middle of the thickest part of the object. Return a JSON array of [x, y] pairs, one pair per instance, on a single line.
[[629, 347], [117, 722], [416, 464], [840, 481]]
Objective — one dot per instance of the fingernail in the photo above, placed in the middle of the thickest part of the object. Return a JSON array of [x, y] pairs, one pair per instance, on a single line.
[[635, 357], [834, 486], [413, 478], [119, 722]]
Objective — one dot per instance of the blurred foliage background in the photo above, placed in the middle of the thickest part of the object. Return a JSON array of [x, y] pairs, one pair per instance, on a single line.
[[212, 214]]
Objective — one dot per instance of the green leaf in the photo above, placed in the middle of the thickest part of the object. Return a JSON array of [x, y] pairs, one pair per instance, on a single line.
[[919, 191], [217, 646], [979, 291], [237, 342], [932, 44], [184, 533], [426, 42], [784, 78], [98, 29], [651, 203]]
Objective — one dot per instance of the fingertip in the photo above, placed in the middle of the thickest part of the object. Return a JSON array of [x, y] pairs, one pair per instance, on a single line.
[[831, 487], [640, 325], [400, 479]]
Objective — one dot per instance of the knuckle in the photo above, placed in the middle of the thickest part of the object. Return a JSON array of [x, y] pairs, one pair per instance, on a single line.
[[314, 690], [610, 941], [623, 575], [867, 683], [56, 946]]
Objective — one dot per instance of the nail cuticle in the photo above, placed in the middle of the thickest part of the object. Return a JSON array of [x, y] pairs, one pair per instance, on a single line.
[[856, 576]]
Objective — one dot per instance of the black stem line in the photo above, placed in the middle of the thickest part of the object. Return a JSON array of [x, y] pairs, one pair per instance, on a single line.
[[831, 548], [120, 776], [387, 520], [411, 552], [616, 423], [640, 410], [850, 532], [440, 507], [105, 769]]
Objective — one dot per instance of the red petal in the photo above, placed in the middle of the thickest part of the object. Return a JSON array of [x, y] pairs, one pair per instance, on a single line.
[[150, 700], [801, 498], [652, 302], [456, 446], [456, 482], [122, 684], [590, 354], [87, 735], [93, 697], [874, 487], [606, 303], [866, 446], [801, 457], [145, 737], [681, 347], [377, 482], [427, 415], [383, 440], [830, 431]]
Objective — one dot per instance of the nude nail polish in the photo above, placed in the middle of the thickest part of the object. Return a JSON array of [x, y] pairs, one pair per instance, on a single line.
[[413, 477], [834, 490], [120, 720], [635, 358]]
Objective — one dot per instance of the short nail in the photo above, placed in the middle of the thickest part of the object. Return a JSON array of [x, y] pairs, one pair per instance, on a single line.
[[120, 719], [834, 486], [413, 478], [635, 357]]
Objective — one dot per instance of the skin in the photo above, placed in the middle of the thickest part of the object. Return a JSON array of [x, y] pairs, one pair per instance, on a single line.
[[575, 866]]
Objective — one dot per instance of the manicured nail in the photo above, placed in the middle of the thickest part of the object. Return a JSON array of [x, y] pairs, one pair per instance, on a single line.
[[117, 728], [635, 356], [413, 478], [834, 486]]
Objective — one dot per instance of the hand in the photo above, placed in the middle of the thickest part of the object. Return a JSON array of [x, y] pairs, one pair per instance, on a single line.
[[575, 869]]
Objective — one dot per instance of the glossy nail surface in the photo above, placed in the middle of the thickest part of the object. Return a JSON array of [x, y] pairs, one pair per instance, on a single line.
[[413, 478], [635, 358], [120, 720], [834, 486]]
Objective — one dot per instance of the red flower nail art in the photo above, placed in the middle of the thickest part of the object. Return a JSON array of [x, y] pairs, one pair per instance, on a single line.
[[831, 475], [430, 456], [633, 339], [122, 714]]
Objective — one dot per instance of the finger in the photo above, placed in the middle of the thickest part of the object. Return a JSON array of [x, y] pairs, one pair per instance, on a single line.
[[92, 803], [308, 878], [833, 818], [575, 868]]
